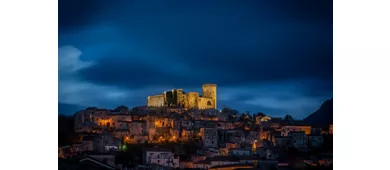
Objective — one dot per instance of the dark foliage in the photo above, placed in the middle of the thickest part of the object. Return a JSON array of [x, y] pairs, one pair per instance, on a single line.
[[66, 134]]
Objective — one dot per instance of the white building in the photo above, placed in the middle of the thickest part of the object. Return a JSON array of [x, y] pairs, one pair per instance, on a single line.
[[209, 137], [160, 156]]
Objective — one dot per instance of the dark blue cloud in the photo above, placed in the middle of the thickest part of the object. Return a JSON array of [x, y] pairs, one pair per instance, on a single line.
[[138, 45]]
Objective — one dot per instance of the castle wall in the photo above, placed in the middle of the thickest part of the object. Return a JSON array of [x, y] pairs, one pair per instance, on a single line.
[[192, 98], [156, 101]]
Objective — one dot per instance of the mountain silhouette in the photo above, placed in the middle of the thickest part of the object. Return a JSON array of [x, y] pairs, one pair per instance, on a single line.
[[323, 116]]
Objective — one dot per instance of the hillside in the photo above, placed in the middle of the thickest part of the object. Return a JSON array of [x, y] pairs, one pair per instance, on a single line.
[[323, 116], [66, 135]]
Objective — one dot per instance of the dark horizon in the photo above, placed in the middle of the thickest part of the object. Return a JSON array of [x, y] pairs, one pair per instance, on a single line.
[[274, 57]]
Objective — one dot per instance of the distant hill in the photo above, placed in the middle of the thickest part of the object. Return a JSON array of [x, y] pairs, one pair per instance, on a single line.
[[323, 116]]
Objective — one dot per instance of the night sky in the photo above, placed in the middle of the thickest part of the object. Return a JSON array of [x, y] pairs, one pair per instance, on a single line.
[[270, 56]]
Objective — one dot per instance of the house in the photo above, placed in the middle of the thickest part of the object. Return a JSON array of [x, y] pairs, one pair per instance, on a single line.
[[77, 147], [259, 119], [183, 124], [186, 163], [204, 124], [137, 127], [197, 158], [240, 151], [224, 160], [87, 127], [209, 137], [295, 128], [121, 124], [141, 138], [225, 125], [236, 135], [106, 143], [120, 133], [316, 130], [282, 141], [315, 140], [298, 139], [175, 109], [252, 137], [186, 135], [87, 143], [265, 134], [120, 120], [160, 156], [161, 122], [224, 148], [274, 123], [202, 164]]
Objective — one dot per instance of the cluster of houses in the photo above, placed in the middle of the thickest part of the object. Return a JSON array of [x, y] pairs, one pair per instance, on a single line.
[[228, 141]]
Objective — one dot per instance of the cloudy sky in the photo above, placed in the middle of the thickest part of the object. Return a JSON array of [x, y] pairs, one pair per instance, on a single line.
[[271, 56]]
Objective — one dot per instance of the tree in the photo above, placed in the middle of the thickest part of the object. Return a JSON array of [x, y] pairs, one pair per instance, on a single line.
[[261, 114], [288, 118]]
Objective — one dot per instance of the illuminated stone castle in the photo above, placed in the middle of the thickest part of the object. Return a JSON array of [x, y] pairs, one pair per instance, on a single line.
[[177, 97]]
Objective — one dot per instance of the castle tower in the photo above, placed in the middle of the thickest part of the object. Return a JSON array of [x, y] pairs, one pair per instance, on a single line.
[[210, 91], [179, 97]]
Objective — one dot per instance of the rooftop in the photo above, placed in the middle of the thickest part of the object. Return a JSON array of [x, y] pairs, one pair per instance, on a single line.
[[233, 165]]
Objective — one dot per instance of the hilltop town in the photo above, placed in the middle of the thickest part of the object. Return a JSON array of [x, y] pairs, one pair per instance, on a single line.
[[178, 130]]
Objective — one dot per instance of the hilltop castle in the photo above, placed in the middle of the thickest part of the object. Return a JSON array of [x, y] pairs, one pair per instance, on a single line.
[[177, 97]]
